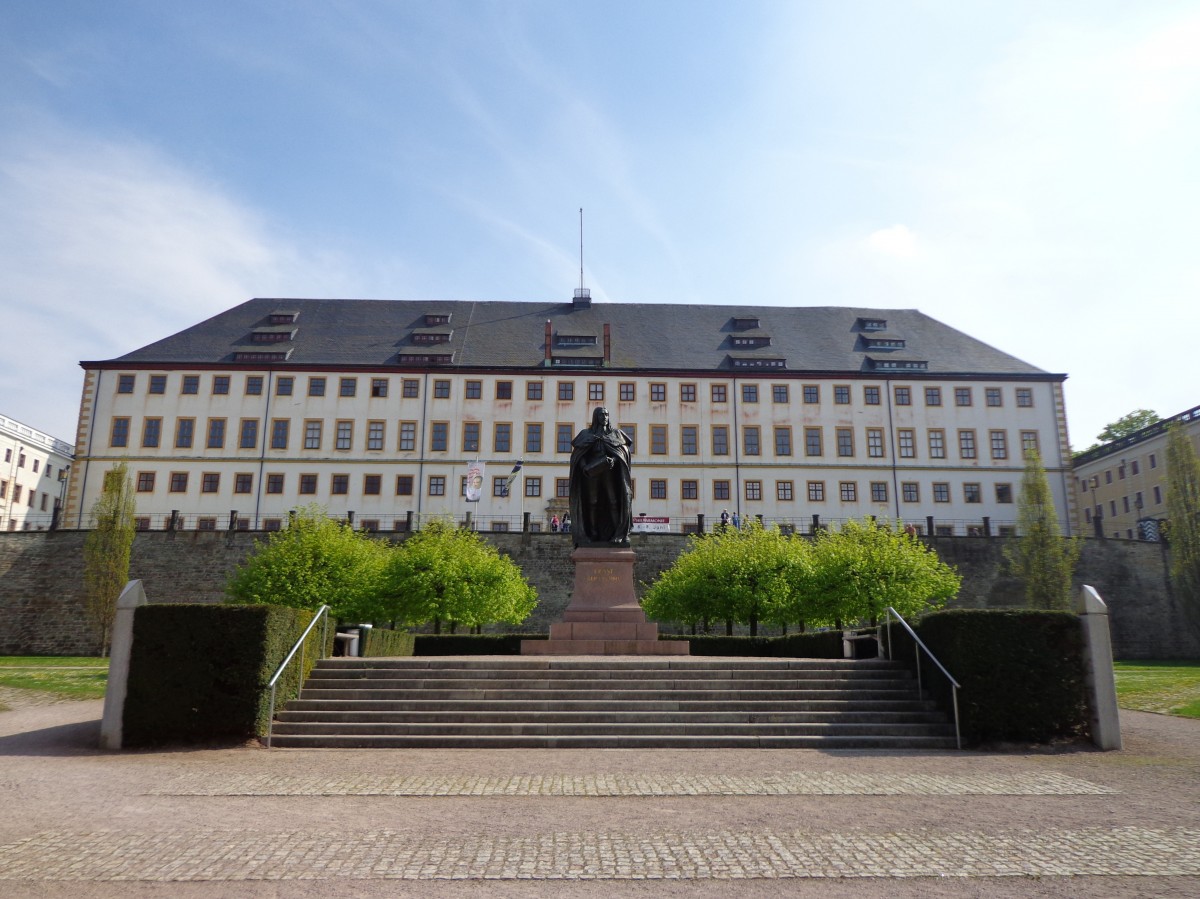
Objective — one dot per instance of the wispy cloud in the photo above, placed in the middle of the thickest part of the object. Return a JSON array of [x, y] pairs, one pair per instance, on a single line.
[[109, 245]]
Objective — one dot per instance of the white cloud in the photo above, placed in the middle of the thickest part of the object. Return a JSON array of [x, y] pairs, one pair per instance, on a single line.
[[107, 246], [898, 242]]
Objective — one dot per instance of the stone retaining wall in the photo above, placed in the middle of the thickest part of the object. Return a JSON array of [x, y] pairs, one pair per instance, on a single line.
[[41, 576]]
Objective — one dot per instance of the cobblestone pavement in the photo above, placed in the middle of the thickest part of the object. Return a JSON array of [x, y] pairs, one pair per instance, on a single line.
[[792, 783], [726, 855], [282, 824]]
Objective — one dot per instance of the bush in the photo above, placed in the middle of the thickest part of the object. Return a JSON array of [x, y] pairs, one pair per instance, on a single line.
[[199, 673], [1021, 671]]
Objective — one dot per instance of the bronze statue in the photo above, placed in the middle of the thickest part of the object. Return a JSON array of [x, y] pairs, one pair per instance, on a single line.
[[601, 484]]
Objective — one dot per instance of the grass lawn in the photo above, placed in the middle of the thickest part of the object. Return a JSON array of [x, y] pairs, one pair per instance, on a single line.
[[1171, 688], [70, 677]]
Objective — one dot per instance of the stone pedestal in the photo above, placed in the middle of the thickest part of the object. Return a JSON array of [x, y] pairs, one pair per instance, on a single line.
[[603, 617]]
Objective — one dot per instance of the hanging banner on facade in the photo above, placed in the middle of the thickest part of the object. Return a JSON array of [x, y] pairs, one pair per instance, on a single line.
[[645, 524], [474, 481]]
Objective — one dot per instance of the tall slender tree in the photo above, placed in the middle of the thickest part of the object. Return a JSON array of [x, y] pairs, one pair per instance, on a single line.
[[1183, 511], [1041, 557], [107, 549]]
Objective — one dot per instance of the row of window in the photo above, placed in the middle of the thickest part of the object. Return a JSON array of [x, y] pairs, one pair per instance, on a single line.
[[1133, 468], [36, 463], [309, 484], [318, 385], [313, 438], [30, 495], [1135, 503]]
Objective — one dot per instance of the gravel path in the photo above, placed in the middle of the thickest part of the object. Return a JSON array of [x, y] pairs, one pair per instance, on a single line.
[[246, 821]]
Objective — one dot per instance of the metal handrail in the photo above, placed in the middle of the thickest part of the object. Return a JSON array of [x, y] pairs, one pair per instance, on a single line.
[[954, 685], [322, 615]]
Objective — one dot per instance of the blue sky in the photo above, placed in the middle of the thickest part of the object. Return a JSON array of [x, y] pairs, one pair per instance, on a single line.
[[1023, 171]]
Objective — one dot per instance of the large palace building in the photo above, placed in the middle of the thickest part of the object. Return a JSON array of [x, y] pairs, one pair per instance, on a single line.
[[375, 410]]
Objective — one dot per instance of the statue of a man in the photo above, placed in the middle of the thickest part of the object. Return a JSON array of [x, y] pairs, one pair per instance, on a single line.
[[601, 484]]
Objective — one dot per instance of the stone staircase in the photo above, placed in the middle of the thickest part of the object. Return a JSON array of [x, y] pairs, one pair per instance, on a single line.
[[515, 702]]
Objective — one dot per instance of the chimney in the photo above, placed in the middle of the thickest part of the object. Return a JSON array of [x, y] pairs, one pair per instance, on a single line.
[[607, 344], [549, 337]]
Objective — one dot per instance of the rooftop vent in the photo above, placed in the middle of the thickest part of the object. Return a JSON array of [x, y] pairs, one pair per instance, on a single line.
[[872, 324], [746, 323], [282, 317]]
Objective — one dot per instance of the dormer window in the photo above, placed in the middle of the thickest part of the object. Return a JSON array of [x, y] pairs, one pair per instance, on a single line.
[[872, 324], [759, 363], [745, 324], [756, 340], [261, 356], [272, 335], [425, 338], [283, 317], [899, 364], [885, 343], [576, 340], [437, 318]]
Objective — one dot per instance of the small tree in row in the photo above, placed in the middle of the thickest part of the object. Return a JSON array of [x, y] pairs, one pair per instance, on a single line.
[[758, 574], [1041, 556], [1183, 513], [107, 550], [439, 574]]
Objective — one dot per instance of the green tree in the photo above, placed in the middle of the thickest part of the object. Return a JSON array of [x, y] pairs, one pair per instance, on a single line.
[[107, 549], [444, 573], [866, 566], [1183, 511], [1041, 556], [314, 561], [746, 575], [1128, 424]]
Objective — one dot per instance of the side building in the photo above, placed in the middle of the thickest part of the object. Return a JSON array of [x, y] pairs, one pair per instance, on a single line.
[[1122, 486], [375, 410], [33, 478]]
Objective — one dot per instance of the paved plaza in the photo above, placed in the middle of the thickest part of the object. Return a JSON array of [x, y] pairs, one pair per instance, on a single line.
[[246, 821]]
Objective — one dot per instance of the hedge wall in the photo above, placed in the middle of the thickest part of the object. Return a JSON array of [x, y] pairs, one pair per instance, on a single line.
[[388, 644], [820, 645], [199, 673], [1021, 671], [824, 645], [472, 644]]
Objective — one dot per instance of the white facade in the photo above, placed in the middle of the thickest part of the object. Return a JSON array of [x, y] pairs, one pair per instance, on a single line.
[[33, 476], [207, 440]]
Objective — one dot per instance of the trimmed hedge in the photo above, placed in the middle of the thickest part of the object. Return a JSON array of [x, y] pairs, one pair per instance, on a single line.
[[822, 645], [387, 644], [819, 645], [1021, 672], [472, 644], [199, 673]]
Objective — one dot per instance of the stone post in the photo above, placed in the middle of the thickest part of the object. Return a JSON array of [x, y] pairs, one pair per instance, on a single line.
[[1098, 664], [118, 665]]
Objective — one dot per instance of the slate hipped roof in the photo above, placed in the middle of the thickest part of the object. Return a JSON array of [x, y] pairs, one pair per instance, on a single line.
[[379, 334]]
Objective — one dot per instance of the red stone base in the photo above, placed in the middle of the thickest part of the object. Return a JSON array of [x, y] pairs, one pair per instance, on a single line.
[[604, 617]]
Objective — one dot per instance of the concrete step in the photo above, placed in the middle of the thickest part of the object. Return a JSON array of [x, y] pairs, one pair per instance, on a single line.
[[618, 741], [610, 716], [524, 706], [540, 728], [639, 684], [610, 702]]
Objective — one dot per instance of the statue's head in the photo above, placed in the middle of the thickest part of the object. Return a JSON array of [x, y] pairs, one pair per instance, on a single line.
[[600, 419]]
